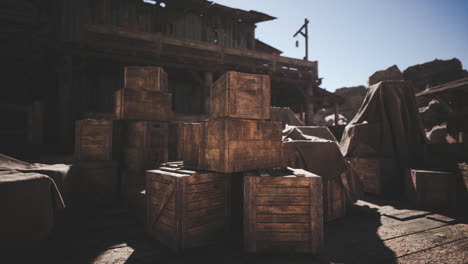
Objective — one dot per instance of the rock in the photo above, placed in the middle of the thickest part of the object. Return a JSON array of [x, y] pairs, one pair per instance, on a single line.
[[433, 73], [353, 97], [392, 73]]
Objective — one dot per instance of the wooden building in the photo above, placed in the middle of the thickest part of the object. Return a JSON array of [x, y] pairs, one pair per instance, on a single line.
[[67, 58]]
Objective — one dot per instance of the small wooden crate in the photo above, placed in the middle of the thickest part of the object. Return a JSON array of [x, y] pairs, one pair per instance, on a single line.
[[142, 105], [241, 95], [187, 209], [93, 139], [283, 213], [235, 145], [375, 174], [191, 136], [432, 189], [146, 78], [94, 182]]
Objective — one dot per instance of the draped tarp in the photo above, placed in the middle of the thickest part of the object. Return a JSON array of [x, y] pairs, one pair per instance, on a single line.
[[315, 149], [386, 126]]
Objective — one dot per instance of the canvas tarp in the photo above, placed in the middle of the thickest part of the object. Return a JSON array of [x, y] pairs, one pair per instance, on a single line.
[[27, 205], [315, 149], [386, 126], [60, 173]]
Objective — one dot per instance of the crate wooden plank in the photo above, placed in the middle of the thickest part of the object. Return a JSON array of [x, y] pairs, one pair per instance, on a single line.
[[145, 78], [197, 204], [235, 145], [436, 190], [241, 95], [283, 214], [93, 139], [191, 136], [374, 173], [142, 105]]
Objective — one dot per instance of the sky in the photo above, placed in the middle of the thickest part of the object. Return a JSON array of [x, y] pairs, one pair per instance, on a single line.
[[353, 39]]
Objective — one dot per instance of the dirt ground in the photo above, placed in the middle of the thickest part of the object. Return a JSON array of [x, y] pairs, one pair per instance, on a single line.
[[365, 235]]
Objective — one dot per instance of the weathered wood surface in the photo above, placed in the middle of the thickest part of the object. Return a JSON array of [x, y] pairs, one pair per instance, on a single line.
[[191, 137], [187, 209], [241, 95], [175, 141], [283, 213], [334, 199], [235, 145], [142, 105], [432, 189], [142, 134], [93, 139], [374, 173], [136, 161], [94, 182], [145, 78]]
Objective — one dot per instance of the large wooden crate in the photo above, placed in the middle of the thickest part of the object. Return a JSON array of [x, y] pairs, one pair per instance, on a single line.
[[187, 209], [374, 173], [141, 134], [235, 145], [191, 137], [93, 139], [136, 161], [241, 95], [283, 213], [94, 182], [175, 143], [146, 78], [434, 190], [142, 105]]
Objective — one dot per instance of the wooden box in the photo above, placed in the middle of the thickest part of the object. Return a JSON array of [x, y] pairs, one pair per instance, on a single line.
[[235, 145], [142, 134], [191, 136], [142, 105], [136, 161], [146, 78], [334, 199], [376, 175], [241, 95], [432, 189], [93, 139], [283, 213], [175, 143], [187, 209], [94, 182]]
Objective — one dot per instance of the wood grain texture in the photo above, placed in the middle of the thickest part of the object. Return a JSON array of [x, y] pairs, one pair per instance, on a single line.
[[241, 95], [145, 78], [235, 145], [93, 139], [198, 206], [283, 218], [142, 105], [191, 136]]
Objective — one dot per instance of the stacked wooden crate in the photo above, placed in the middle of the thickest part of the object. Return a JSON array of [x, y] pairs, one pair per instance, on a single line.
[[187, 208], [143, 110], [237, 137], [94, 173]]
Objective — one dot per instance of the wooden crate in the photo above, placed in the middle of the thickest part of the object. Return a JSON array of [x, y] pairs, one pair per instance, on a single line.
[[136, 161], [187, 209], [191, 136], [235, 145], [241, 95], [435, 190], [463, 168], [334, 199], [142, 105], [94, 182], [146, 78], [93, 139], [141, 134], [375, 173], [283, 213], [175, 143]]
